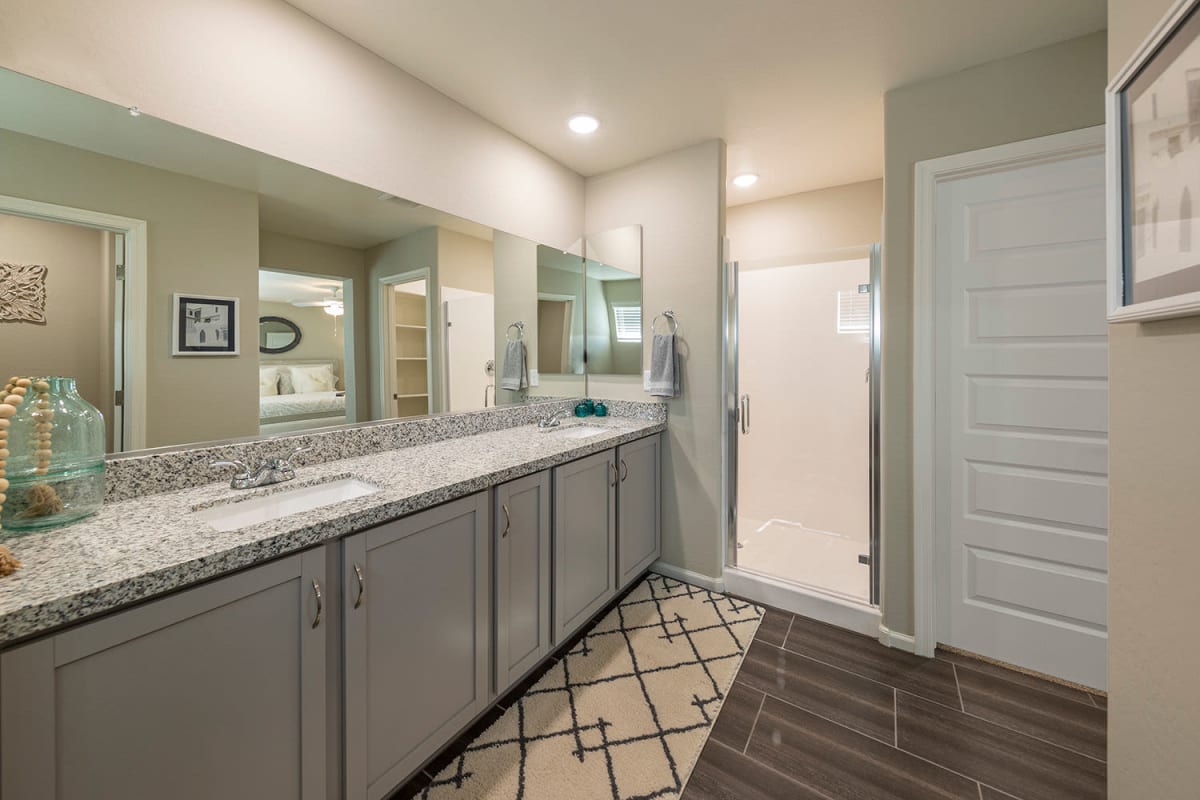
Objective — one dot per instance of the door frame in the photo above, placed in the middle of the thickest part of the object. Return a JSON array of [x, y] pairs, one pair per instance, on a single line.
[[384, 286], [928, 176], [134, 309]]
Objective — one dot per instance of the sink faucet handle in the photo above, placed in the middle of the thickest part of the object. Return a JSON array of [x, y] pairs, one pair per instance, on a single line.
[[297, 451], [240, 465]]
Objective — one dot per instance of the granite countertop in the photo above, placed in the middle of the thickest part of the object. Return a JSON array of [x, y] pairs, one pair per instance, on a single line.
[[138, 549]]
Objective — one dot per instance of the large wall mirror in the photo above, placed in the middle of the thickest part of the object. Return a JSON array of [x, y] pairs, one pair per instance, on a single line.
[[371, 307]]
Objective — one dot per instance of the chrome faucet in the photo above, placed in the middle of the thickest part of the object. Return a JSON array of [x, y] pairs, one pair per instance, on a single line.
[[271, 471], [552, 421]]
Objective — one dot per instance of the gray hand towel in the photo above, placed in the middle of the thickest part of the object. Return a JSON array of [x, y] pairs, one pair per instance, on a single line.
[[514, 376], [664, 366]]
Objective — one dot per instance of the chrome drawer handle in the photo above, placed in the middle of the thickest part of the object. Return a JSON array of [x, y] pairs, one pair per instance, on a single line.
[[320, 605], [615, 473], [362, 587], [507, 520], [624, 470]]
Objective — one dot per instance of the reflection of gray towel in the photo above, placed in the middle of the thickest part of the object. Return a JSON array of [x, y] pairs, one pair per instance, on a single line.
[[515, 376], [664, 366]]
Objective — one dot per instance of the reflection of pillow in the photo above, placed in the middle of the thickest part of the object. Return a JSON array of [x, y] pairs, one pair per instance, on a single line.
[[268, 381], [312, 379], [285, 381]]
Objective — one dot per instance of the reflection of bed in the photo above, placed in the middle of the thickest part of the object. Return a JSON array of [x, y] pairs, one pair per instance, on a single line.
[[282, 407], [297, 406]]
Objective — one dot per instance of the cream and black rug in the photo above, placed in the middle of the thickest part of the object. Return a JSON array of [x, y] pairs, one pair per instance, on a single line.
[[624, 714]]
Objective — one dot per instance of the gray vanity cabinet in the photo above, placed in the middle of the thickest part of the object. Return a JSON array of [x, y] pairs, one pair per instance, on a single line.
[[521, 541], [638, 508], [585, 540], [217, 691], [417, 638]]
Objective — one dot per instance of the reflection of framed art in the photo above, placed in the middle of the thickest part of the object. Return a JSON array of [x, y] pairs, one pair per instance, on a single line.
[[204, 326], [1154, 174]]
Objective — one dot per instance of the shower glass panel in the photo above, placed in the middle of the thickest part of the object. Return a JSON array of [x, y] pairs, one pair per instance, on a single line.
[[803, 510]]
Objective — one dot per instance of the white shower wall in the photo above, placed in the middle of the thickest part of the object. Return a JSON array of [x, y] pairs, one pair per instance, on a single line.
[[805, 457]]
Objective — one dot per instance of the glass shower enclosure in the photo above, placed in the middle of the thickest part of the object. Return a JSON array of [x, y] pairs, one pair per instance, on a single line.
[[801, 380]]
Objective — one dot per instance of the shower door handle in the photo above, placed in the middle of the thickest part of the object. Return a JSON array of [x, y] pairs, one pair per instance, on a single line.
[[745, 415]]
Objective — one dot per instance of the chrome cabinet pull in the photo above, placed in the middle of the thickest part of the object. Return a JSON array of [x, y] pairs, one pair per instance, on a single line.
[[362, 586], [320, 604], [507, 520], [745, 415], [615, 474], [624, 470]]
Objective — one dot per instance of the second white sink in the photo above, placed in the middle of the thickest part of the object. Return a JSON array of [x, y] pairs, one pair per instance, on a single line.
[[233, 516], [578, 431]]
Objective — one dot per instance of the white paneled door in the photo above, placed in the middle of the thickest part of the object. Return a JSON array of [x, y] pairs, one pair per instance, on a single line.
[[1021, 410]]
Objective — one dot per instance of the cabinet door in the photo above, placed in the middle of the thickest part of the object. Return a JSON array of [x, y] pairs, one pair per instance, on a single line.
[[217, 691], [521, 514], [638, 508], [585, 539], [417, 617]]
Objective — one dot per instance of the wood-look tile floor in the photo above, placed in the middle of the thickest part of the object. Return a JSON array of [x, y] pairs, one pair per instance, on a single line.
[[819, 712]]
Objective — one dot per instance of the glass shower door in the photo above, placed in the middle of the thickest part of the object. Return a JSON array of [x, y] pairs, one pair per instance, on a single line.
[[802, 334]]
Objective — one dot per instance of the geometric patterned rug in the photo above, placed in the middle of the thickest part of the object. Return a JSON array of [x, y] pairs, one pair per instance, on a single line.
[[625, 714]]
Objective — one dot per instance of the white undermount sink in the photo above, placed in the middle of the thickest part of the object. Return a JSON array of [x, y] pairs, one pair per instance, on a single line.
[[233, 516], [577, 431]]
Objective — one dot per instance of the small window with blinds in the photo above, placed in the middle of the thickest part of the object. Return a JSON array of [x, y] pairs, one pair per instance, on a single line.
[[628, 322], [853, 311]]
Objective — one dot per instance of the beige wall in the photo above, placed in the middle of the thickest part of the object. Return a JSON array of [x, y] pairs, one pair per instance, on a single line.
[[76, 340], [1154, 393], [807, 223], [336, 107], [291, 254], [464, 262], [202, 239], [679, 200], [1049, 90]]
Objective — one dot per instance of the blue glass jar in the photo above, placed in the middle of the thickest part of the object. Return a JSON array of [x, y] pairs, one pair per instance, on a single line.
[[55, 463], [585, 408], [600, 410]]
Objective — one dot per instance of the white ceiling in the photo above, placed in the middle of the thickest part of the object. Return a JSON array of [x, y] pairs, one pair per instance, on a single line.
[[284, 287], [795, 87]]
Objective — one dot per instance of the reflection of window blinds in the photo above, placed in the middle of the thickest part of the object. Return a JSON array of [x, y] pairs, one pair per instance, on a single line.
[[854, 311], [629, 323]]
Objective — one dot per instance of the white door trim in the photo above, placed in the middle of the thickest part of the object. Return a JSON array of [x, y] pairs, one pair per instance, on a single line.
[[133, 412], [928, 174]]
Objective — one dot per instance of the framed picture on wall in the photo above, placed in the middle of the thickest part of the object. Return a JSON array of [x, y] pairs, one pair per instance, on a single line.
[[1153, 149], [204, 326]]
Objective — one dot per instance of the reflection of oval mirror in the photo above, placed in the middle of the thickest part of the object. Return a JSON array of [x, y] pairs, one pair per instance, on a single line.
[[277, 335]]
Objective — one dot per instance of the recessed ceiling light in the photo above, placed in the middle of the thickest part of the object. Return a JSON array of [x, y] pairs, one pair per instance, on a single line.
[[583, 123], [745, 179]]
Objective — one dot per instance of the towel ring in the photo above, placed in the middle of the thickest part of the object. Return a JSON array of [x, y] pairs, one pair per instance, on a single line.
[[520, 326], [670, 315]]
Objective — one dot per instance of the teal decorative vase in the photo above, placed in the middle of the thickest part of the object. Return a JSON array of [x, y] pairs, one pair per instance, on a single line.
[[53, 452]]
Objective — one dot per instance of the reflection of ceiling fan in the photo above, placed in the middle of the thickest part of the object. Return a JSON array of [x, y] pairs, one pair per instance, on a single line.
[[333, 305]]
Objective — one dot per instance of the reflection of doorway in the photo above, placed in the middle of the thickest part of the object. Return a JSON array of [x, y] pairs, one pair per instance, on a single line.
[[555, 317], [406, 370], [111, 375]]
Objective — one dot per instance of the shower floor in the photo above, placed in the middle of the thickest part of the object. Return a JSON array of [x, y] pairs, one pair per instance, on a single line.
[[817, 559]]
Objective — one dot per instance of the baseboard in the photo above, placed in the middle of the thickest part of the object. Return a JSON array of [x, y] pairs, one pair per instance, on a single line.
[[852, 616], [900, 641], [687, 576]]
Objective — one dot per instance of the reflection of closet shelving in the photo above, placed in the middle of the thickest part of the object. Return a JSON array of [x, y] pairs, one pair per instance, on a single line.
[[411, 355]]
